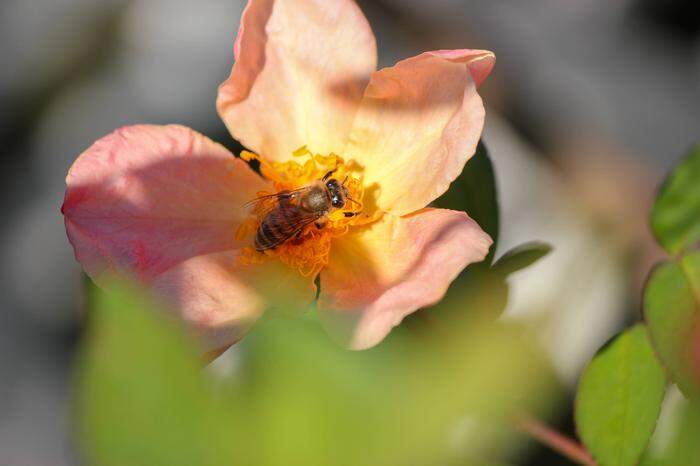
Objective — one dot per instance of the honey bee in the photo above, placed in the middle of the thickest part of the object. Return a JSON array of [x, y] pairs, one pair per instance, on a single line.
[[286, 213]]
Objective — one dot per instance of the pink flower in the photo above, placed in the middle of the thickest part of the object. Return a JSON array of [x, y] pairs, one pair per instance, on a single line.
[[166, 205]]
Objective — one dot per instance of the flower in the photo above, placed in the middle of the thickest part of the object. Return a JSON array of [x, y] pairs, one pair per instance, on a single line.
[[166, 204]]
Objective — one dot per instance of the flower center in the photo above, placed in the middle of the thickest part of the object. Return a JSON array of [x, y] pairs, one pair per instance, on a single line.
[[308, 248]]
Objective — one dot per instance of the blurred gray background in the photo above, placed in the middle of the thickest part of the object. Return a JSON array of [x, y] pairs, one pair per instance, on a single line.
[[590, 103]]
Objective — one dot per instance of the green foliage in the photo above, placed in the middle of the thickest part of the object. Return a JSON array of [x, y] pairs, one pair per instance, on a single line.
[[619, 399], [298, 399], [141, 399], [477, 288], [672, 312], [521, 257], [482, 287], [621, 391], [393, 405], [485, 290], [683, 448], [675, 217], [474, 192]]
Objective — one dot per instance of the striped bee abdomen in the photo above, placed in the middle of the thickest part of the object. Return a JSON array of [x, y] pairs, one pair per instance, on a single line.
[[281, 224]]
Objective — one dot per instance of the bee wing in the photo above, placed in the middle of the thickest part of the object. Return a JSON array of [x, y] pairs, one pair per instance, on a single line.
[[262, 205], [285, 222]]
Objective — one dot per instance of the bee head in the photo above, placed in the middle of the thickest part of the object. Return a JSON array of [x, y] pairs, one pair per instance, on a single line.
[[337, 192]]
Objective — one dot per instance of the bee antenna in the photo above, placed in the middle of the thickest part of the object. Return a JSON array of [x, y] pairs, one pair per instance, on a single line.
[[353, 200], [346, 179]]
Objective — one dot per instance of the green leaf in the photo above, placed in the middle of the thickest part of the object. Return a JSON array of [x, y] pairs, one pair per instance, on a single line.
[[485, 290], [521, 257], [675, 217], [142, 401], [313, 403], [685, 447], [297, 398], [474, 192], [682, 448], [619, 399], [672, 312]]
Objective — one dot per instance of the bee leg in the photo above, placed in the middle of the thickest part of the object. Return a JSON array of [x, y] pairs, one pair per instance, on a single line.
[[284, 197], [328, 175], [350, 214]]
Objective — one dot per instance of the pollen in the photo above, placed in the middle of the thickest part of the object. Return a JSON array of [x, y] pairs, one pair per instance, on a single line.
[[307, 251]]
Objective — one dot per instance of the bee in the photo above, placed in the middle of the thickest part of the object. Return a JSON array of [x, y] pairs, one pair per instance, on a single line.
[[288, 212]]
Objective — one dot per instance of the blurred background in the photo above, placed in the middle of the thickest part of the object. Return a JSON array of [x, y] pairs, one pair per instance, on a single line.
[[590, 104]]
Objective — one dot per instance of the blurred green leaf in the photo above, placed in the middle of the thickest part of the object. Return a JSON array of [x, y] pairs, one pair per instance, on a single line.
[[672, 312], [400, 403], [683, 449], [142, 401], [474, 192], [476, 289], [485, 290], [298, 399], [521, 257], [675, 217], [619, 399]]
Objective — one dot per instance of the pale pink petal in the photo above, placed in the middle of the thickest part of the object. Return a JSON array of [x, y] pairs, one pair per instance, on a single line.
[[146, 198], [301, 67], [418, 124], [220, 298], [380, 273]]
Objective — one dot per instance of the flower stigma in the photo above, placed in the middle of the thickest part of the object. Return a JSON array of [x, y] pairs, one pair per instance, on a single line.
[[307, 251]]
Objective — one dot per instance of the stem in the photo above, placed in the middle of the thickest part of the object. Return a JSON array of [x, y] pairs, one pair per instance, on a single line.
[[558, 442]]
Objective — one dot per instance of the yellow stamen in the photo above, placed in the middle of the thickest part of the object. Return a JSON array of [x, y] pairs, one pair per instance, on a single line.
[[308, 252]]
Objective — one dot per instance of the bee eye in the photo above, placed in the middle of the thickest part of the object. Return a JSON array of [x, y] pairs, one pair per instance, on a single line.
[[329, 185], [336, 201]]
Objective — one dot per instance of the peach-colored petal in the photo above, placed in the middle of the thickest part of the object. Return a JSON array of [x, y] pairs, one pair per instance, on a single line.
[[383, 272], [301, 67], [220, 298], [145, 198], [418, 124]]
